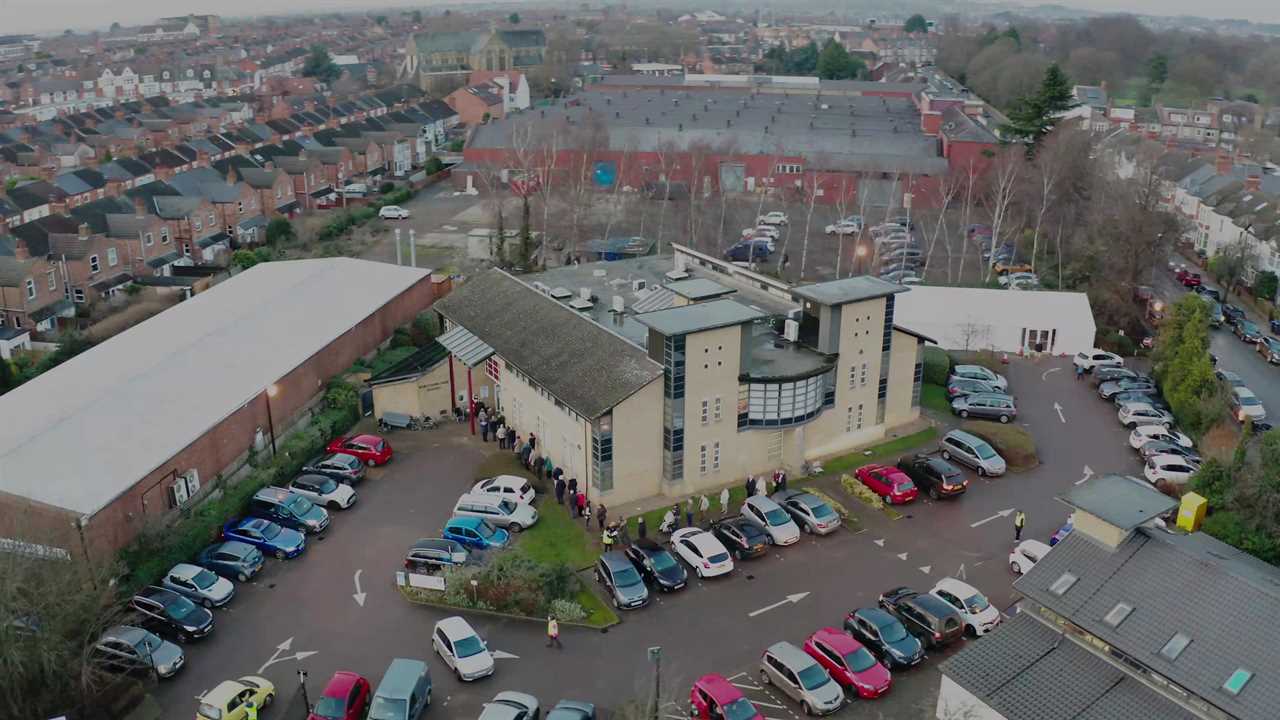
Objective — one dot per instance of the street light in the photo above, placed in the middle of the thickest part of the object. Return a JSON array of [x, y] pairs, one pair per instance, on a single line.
[[655, 657], [302, 682], [272, 391], [859, 254]]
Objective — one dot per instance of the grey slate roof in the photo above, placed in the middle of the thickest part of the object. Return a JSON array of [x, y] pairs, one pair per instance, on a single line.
[[854, 289], [699, 317], [582, 364], [1119, 501], [1225, 600], [205, 182]]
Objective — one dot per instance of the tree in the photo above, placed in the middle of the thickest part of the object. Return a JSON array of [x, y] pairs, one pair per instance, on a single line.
[[244, 259], [1034, 115], [115, 27], [417, 17], [8, 378], [1265, 285], [1157, 70], [835, 63], [1231, 263], [280, 230], [320, 65], [916, 24], [380, 20], [514, 18]]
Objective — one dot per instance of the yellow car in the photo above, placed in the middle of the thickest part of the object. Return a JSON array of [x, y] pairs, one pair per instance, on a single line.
[[1003, 268], [227, 700]]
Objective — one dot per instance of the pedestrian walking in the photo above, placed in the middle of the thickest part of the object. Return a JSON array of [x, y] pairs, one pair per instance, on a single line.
[[1079, 372], [548, 467], [782, 480], [501, 434], [703, 506], [538, 466], [724, 501], [1019, 522], [483, 419], [675, 517], [642, 529], [580, 503], [602, 513], [586, 511], [516, 443], [559, 491], [624, 532], [525, 451], [688, 512], [553, 632], [533, 441], [751, 485]]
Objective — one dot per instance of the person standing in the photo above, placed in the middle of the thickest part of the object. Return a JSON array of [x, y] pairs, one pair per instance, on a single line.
[[1019, 522], [553, 632], [501, 434], [538, 466], [782, 480], [533, 441], [675, 517], [642, 530], [573, 490], [602, 513], [586, 511], [703, 506], [548, 467], [559, 491], [688, 512], [1079, 372], [724, 501], [751, 485], [606, 539], [623, 532], [516, 443], [484, 426]]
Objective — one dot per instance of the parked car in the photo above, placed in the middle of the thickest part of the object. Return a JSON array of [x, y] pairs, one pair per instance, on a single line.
[[289, 509], [809, 511], [403, 693], [971, 450], [168, 613], [892, 485], [657, 565], [1149, 397], [1063, 531], [232, 559], [801, 678], [1133, 414], [712, 697], [510, 705], [986, 406], [511, 487], [884, 635], [1247, 331], [1231, 314], [1246, 406], [1025, 555], [372, 449], [1206, 291], [1216, 316], [475, 532], [393, 212], [1171, 468], [324, 490], [978, 372], [1095, 358], [461, 649], [1269, 349], [572, 710], [702, 551], [428, 555], [342, 467], [1107, 374], [851, 665], [623, 582], [199, 584], [976, 611], [1275, 327], [267, 536], [771, 518], [747, 251], [1151, 448], [934, 475], [1005, 267], [125, 649], [1232, 379], [901, 277], [1143, 434], [966, 386], [1192, 279], [927, 617], [776, 217], [767, 231], [1018, 277], [227, 700], [743, 538], [845, 227], [345, 697], [1108, 389], [897, 254], [509, 514]]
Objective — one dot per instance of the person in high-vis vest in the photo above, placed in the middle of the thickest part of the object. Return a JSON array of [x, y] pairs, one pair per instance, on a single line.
[[553, 632], [1019, 522], [250, 710]]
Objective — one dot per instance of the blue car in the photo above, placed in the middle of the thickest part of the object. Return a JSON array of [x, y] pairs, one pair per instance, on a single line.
[[234, 560], [266, 536], [475, 532]]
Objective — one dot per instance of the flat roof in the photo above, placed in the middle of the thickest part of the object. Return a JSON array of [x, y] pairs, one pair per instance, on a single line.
[[699, 289], [699, 317], [847, 290], [1119, 501], [95, 425]]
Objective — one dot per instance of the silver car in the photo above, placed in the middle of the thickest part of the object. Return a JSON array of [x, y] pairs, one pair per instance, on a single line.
[[989, 406], [969, 449], [127, 649], [198, 584], [808, 510], [799, 676]]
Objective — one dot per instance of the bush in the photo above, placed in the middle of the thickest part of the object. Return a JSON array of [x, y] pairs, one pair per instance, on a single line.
[[1265, 285], [513, 583], [1014, 443], [861, 492], [937, 366], [244, 259], [386, 187], [1122, 345], [433, 165], [456, 146], [567, 610]]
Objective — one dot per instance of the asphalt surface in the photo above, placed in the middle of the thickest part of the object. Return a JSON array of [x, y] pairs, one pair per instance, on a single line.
[[307, 604]]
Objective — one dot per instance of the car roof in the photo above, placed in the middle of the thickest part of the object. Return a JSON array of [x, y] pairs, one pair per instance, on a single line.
[[1033, 545], [313, 477], [222, 692], [365, 438], [506, 480], [1169, 459], [254, 523], [186, 570], [697, 536], [876, 616], [434, 543], [615, 559], [790, 654], [157, 593], [465, 521], [347, 458], [762, 502], [839, 640], [401, 677], [720, 689], [340, 684], [232, 546], [124, 633], [456, 627], [957, 587], [966, 436], [1243, 392]]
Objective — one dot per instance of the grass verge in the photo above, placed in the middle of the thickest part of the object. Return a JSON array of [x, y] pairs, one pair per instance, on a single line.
[[1013, 442], [599, 615], [557, 538], [864, 495], [934, 397], [884, 451]]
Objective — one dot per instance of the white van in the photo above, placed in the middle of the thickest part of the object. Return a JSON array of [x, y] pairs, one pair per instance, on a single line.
[[355, 190], [501, 512]]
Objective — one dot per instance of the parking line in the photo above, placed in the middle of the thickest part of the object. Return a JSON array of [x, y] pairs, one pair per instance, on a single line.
[[735, 677], [747, 687], [768, 705]]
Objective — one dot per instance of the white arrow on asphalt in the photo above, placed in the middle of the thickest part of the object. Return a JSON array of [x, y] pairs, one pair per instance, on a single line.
[[879, 542], [792, 599], [902, 556], [926, 569], [284, 647], [503, 655], [1058, 407], [359, 596], [1045, 375], [1088, 473], [960, 573], [1003, 513]]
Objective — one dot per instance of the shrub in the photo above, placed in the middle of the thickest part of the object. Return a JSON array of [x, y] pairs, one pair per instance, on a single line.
[[861, 492], [567, 610], [433, 165], [1014, 443], [386, 187], [1122, 345], [244, 259], [1265, 285], [937, 366], [455, 146]]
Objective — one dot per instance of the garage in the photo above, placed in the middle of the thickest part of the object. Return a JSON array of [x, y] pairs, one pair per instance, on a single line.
[[971, 319]]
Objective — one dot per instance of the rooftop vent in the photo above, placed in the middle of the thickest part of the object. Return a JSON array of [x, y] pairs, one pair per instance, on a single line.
[[598, 273], [1063, 584], [677, 275], [541, 287], [1117, 614], [638, 285], [580, 305], [584, 293], [560, 293], [619, 305], [791, 330]]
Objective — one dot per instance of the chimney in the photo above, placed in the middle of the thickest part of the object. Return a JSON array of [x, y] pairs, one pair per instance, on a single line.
[[139, 207], [1253, 183], [1223, 163]]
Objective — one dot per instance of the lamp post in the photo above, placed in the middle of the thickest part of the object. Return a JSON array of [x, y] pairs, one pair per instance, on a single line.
[[272, 391], [859, 254], [302, 683], [655, 657]]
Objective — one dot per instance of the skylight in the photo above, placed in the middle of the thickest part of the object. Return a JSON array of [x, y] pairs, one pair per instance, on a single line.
[[1175, 646], [1118, 614], [1237, 681], [1063, 584]]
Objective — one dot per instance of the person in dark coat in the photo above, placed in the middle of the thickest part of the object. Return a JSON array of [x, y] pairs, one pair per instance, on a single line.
[[751, 486], [573, 488], [642, 531], [601, 513], [559, 491], [533, 441]]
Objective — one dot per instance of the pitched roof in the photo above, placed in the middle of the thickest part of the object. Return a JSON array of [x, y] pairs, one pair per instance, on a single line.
[[551, 343]]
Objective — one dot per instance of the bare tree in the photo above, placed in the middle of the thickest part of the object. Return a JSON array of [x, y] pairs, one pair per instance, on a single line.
[[948, 188], [841, 205], [668, 155], [616, 201], [1002, 188], [970, 180], [812, 191]]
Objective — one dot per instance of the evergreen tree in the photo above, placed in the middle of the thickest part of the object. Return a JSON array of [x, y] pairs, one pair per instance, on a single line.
[[1157, 70], [514, 18], [1033, 116], [834, 62], [916, 24], [320, 66]]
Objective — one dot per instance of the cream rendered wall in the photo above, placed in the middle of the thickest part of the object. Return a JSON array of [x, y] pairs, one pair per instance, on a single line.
[[481, 386], [637, 447], [902, 367], [426, 394], [562, 433], [712, 360], [844, 427]]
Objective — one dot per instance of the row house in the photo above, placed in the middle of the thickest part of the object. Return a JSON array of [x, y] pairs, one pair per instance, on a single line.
[[130, 172], [27, 159], [35, 199], [397, 152], [477, 104], [307, 176], [196, 228], [1244, 216], [32, 282], [274, 188], [237, 204], [118, 84], [84, 186]]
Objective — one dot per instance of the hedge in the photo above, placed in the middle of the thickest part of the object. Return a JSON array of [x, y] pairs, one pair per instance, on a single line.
[[937, 366]]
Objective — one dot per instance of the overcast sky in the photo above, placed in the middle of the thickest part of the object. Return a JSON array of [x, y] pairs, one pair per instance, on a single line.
[[45, 16]]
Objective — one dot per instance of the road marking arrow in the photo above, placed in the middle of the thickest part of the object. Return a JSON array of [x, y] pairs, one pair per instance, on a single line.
[[359, 596], [1088, 473], [1003, 513], [902, 556], [285, 646], [926, 569], [1045, 375], [960, 573], [792, 599], [503, 655], [879, 542], [1058, 407]]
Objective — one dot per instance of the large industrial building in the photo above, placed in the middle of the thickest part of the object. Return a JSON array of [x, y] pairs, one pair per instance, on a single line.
[[665, 376]]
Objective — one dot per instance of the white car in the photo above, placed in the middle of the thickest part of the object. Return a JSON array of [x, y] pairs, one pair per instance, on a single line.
[[1144, 434], [777, 217], [702, 551], [393, 212], [1246, 406], [461, 649], [512, 487], [324, 491], [1173, 468], [979, 615], [771, 518], [1025, 555], [769, 231], [510, 705], [843, 228], [1133, 414], [1019, 277], [1095, 358]]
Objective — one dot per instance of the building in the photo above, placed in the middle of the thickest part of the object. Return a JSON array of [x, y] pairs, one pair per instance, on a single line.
[[1000, 320], [417, 385], [434, 56], [1127, 620], [700, 372], [124, 435]]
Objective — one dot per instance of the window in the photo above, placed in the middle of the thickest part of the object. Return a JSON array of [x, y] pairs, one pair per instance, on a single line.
[[1237, 681], [211, 220], [718, 407], [702, 459], [705, 412], [853, 376], [149, 240], [848, 419], [52, 276], [1063, 584], [78, 295], [94, 265], [164, 235], [715, 455], [859, 424], [862, 376], [186, 249], [1118, 614], [240, 207], [278, 192], [1175, 646], [113, 257], [788, 169]]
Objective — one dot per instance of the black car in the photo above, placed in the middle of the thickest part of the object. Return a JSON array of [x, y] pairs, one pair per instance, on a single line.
[[168, 613], [1151, 448], [1101, 375], [658, 566], [1150, 397], [743, 538], [928, 617], [1232, 314], [342, 467], [884, 635], [934, 475], [1208, 292], [1247, 331]]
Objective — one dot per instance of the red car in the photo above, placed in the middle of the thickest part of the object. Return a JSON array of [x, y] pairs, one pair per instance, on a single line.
[[345, 697], [891, 484], [1192, 280], [714, 698], [372, 449], [850, 664]]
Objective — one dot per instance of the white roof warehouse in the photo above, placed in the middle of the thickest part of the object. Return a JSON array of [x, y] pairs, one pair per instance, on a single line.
[[179, 397]]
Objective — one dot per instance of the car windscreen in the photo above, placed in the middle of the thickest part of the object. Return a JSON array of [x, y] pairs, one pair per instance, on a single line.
[[740, 709], [179, 608], [984, 451], [387, 709], [626, 577], [976, 603], [893, 632], [813, 677], [330, 708], [777, 516], [718, 557], [468, 646], [299, 505], [859, 660], [904, 484], [821, 510], [269, 530], [204, 579], [507, 507], [662, 561], [1249, 400]]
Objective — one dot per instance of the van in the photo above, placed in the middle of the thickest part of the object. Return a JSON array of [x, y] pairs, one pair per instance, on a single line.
[[403, 693], [988, 406], [290, 509], [928, 617], [800, 677], [501, 512], [355, 190], [971, 450]]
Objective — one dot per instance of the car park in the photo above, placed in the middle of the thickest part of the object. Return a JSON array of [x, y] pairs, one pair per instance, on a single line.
[[475, 532], [342, 467], [509, 514], [267, 536], [511, 705], [851, 665], [1247, 330], [624, 584], [325, 491], [1246, 406], [168, 613], [978, 372], [429, 555], [393, 212], [809, 511], [959, 386], [1151, 448], [712, 697], [1269, 349], [287, 508], [743, 538], [1108, 389], [970, 450], [1025, 555], [1171, 468], [461, 649], [926, 616], [934, 475], [233, 559], [403, 692], [125, 649], [801, 678], [372, 449], [511, 487], [657, 565], [884, 635], [572, 710], [1143, 434], [1095, 358], [702, 552], [199, 584], [776, 217], [976, 611], [771, 518], [893, 486], [345, 697], [1133, 414], [986, 406], [229, 699]]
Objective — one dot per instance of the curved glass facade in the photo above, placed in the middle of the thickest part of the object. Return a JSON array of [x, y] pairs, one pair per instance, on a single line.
[[781, 404]]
